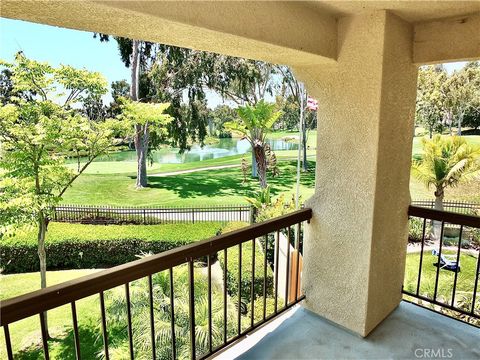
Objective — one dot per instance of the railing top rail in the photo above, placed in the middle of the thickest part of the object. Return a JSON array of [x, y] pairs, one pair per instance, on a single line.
[[446, 216], [35, 302]]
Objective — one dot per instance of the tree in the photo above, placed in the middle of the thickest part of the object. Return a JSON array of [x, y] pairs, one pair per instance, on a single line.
[[462, 91], [431, 97], [254, 123], [446, 162], [37, 135], [292, 100], [166, 74], [472, 117], [220, 115], [150, 119]]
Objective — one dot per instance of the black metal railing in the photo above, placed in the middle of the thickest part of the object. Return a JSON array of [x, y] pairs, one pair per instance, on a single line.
[[463, 207], [442, 270], [91, 214], [264, 240]]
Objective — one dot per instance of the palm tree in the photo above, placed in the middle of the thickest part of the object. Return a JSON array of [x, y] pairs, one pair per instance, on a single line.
[[140, 307], [446, 162], [254, 123]]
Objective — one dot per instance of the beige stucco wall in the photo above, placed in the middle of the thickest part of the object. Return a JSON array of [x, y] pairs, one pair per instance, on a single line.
[[355, 247], [452, 39]]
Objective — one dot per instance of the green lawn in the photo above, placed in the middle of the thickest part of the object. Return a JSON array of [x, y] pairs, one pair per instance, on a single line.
[[465, 280], [27, 332], [112, 182], [209, 187]]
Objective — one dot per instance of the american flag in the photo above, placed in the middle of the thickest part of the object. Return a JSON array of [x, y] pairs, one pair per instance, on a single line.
[[312, 104]]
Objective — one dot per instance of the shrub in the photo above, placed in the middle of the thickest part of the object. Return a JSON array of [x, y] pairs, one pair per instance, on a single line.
[[72, 246], [415, 229]]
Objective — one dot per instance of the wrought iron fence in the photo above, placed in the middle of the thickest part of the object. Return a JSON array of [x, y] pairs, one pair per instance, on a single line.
[[463, 207], [86, 214], [258, 238], [443, 268]]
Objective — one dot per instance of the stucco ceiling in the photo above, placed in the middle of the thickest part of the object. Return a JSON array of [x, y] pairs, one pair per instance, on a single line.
[[412, 11]]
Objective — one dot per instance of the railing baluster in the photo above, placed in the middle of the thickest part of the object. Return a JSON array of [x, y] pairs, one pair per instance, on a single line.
[[239, 325], [172, 315], [252, 291], [8, 344], [129, 320], [276, 269], [475, 286], [104, 325], [225, 320], [209, 295], [152, 316], [43, 327], [75, 331], [192, 308], [287, 270], [265, 279], [438, 263], [297, 246], [458, 262], [421, 255]]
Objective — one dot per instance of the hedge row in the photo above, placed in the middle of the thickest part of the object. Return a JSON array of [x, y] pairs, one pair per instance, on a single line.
[[76, 246]]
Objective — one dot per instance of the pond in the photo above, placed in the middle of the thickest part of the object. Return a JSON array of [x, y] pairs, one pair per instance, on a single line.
[[224, 147]]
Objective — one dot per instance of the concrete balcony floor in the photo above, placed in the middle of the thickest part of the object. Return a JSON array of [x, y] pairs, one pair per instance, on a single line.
[[410, 332]]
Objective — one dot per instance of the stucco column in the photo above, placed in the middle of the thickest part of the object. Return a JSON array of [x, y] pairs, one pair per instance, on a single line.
[[356, 242]]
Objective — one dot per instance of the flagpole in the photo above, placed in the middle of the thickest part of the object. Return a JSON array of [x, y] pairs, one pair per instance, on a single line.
[[300, 127]]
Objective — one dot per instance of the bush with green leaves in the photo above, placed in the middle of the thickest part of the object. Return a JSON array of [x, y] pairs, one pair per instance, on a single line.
[[77, 246], [415, 229]]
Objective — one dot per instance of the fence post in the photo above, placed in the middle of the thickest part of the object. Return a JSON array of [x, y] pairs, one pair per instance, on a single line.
[[193, 215], [253, 214], [144, 216]]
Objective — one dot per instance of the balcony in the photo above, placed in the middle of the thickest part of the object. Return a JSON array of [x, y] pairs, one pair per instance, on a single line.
[[256, 318], [409, 332]]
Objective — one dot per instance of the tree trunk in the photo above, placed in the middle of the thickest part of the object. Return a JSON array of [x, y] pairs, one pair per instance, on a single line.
[[134, 70], [254, 165], [42, 256], [304, 146], [459, 125], [141, 147], [430, 132], [141, 130], [261, 160], [437, 225]]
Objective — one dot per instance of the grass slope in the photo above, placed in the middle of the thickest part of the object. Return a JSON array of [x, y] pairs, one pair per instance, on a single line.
[[465, 280], [209, 187], [25, 334]]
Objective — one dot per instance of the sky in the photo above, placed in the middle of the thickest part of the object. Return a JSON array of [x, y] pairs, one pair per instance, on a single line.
[[77, 48]]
